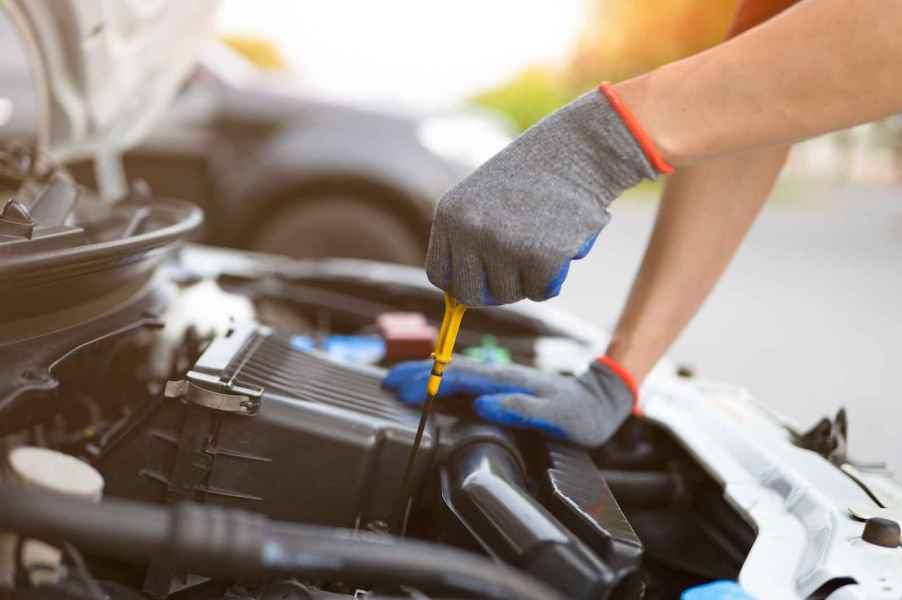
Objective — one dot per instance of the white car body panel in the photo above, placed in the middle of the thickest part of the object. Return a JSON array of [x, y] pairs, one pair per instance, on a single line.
[[798, 501]]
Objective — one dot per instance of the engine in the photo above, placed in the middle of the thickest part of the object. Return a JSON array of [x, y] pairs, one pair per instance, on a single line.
[[235, 400], [259, 424]]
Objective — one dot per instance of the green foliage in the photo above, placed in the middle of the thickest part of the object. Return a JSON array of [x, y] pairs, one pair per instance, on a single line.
[[528, 97]]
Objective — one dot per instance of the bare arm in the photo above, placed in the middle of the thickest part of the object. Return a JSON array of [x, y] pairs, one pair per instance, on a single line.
[[819, 66], [705, 213]]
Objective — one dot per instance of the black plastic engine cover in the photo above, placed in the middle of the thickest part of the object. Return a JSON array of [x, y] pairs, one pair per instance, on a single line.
[[578, 542], [265, 426]]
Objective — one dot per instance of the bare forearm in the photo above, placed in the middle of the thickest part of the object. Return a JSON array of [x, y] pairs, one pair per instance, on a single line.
[[819, 66], [705, 213]]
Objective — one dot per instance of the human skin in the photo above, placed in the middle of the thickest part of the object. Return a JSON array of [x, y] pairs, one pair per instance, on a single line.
[[818, 66], [724, 118], [704, 214]]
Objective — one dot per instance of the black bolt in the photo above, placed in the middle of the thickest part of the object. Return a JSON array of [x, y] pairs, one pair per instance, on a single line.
[[685, 371], [882, 532]]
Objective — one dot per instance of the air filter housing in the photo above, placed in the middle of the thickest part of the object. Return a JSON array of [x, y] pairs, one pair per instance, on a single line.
[[265, 426]]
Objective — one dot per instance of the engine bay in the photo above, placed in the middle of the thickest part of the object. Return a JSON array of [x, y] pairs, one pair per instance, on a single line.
[[252, 384], [187, 422], [190, 422]]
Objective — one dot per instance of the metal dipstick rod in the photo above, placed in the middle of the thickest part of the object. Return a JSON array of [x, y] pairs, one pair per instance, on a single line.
[[441, 357]]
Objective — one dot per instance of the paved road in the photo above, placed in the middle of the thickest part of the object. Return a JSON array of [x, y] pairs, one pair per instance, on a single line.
[[809, 316]]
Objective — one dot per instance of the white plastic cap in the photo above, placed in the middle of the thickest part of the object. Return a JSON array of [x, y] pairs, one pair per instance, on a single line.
[[55, 471]]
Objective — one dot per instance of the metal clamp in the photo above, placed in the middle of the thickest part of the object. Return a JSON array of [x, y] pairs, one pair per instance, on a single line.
[[245, 402]]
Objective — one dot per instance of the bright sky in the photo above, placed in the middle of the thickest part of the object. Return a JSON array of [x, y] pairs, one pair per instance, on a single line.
[[420, 53]]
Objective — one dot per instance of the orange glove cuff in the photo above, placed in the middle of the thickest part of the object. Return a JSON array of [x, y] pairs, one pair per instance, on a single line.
[[632, 123], [626, 377]]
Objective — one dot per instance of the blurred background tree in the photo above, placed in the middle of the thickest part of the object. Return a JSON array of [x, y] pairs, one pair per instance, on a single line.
[[624, 38], [529, 96], [621, 39]]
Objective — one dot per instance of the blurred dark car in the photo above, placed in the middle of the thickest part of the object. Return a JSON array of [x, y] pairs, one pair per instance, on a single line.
[[279, 171]]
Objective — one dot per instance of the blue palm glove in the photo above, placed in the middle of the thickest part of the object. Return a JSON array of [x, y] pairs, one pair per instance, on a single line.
[[586, 410]]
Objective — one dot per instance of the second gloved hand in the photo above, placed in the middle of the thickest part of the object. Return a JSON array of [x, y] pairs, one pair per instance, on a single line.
[[510, 230], [586, 410]]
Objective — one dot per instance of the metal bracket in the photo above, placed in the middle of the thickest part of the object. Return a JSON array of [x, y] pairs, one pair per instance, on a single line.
[[15, 220], [110, 175], [243, 401]]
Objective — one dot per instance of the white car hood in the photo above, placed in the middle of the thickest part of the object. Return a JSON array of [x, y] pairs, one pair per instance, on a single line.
[[106, 69]]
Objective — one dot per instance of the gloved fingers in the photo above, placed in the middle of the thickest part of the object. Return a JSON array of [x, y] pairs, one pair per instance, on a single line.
[[399, 374], [501, 283], [409, 381], [554, 286], [521, 411], [587, 246], [402, 372], [413, 391], [456, 382], [535, 275], [438, 258], [467, 275]]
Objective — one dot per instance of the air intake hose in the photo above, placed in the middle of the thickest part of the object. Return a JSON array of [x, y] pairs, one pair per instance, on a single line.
[[231, 544]]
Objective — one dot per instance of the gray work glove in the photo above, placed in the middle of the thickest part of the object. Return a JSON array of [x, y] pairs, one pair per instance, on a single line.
[[586, 410], [510, 229]]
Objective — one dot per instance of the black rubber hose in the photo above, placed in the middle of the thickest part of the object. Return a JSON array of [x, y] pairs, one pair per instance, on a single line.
[[231, 544], [320, 552]]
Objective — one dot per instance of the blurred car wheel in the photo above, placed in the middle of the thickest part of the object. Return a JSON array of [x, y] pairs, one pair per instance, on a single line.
[[338, 226]]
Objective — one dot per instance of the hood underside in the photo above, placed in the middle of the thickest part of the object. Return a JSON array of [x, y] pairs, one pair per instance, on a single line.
[[106, 69]]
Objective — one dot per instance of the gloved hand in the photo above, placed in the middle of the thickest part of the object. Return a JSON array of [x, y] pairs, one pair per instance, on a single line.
[[510, 229], [586, 410]]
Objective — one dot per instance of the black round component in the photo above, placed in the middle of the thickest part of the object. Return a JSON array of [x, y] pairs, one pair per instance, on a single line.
[[339, 225], [882, 532], [39, 282]]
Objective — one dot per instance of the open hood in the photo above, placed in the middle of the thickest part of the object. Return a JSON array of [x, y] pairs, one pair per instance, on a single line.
[[103, 71], [106, 69]]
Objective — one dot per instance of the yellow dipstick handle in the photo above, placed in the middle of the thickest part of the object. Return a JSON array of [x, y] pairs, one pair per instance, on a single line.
[[444, 345]]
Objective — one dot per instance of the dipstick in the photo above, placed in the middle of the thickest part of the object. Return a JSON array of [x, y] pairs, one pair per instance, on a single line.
[[441, 357]]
